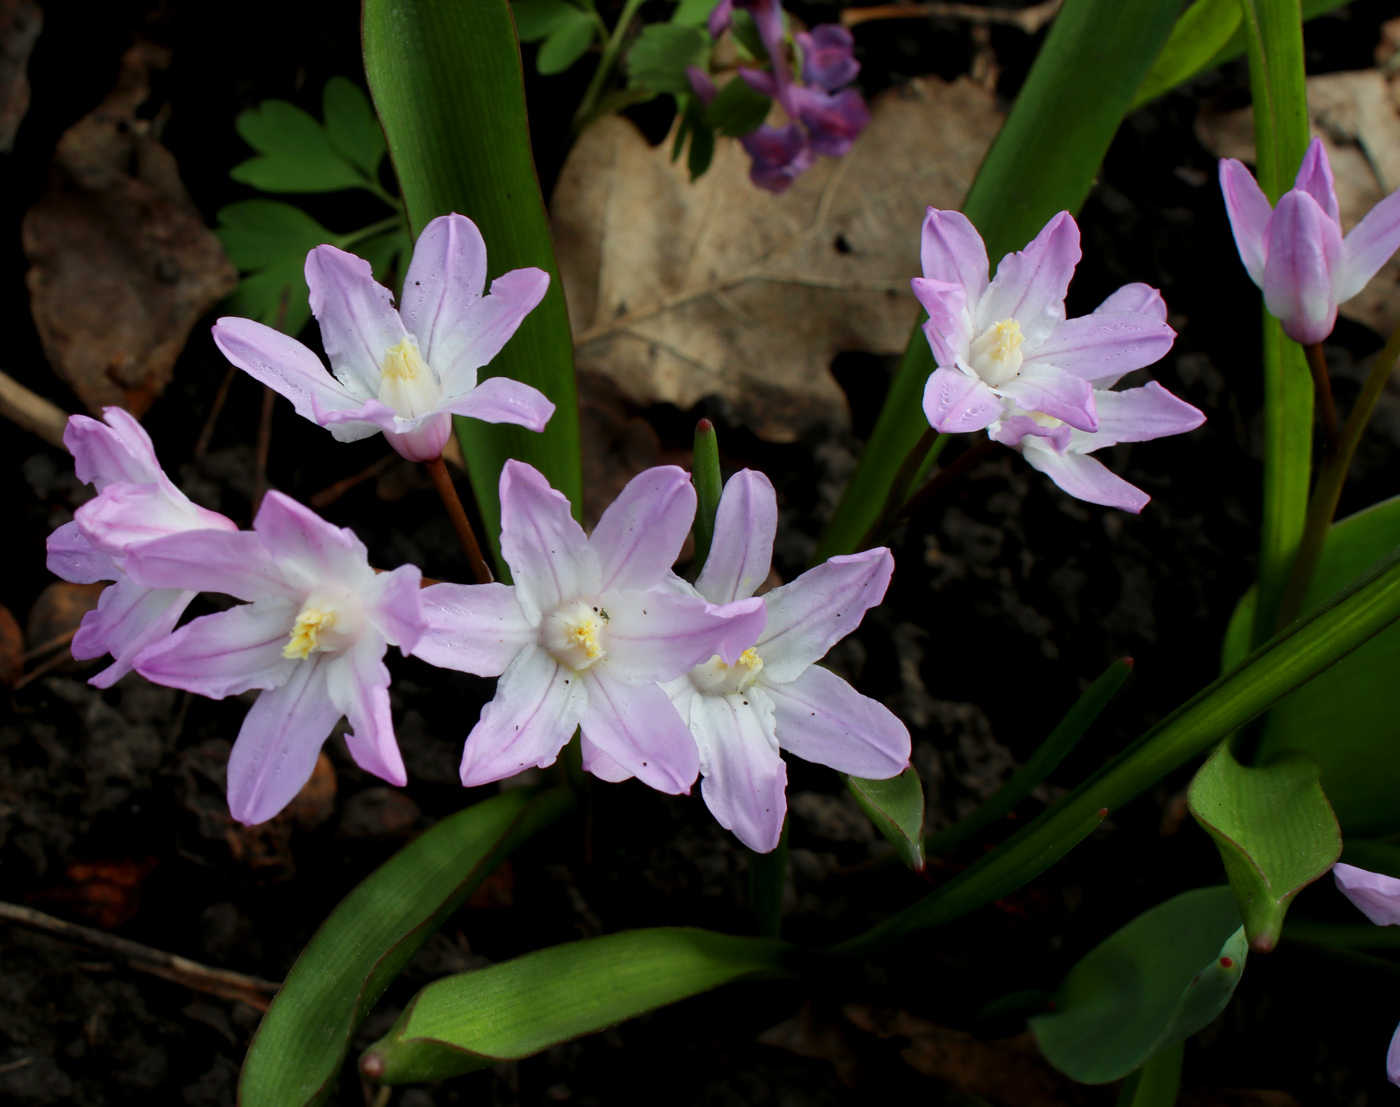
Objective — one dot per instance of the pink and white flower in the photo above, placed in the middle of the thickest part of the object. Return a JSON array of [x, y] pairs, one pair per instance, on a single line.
[[312, 638], [775, 696], [404, 372], [1376, 896], [580, 639], [1010, 362], [136, 502], [1295, 252]]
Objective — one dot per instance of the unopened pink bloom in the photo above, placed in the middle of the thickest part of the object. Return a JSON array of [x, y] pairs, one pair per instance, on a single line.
[[1376, 896], [580, 640], [776, 696], [312, 638], [136, 502], [404, 372], [1296, 253], [1010, 362]]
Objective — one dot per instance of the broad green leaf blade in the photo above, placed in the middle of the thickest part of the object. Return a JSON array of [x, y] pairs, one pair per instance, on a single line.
[[1042, 763], [297, 1053], [896, 807], [475, 159], [351, 124], [296, 154], [1345, 720], [1155, 1084], [739, 109], [566, 44], [1043, 161], [1275, 831], [520, 1007], [1151, 985], [659, 57], [1367, 606]]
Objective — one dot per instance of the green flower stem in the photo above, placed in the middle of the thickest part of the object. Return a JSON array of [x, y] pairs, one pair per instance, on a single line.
[[1330, 478], [1326, 406], [704, 472], [605, 64], [393, 222], [915, 464], [767, 878]]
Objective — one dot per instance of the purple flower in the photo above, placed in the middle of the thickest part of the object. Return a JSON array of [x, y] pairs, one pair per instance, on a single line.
[[1378, 898], [776, 696], [1010, 362], [828, 56], [313, 639], [1296, 253], [780, 155], [404, 372], [832, 121], [136, 502], [580, 640]]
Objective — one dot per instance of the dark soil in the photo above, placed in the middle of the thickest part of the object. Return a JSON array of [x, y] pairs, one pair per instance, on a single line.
[[1010, 597]]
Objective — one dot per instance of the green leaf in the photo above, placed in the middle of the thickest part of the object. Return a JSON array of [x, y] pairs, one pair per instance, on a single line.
[[276, 297], [420, 56], [1043, 161], [694, 13], [518, 1008], [538, 19], [388, 256], [702, 151], [1042, 763], [709, 487], [296, 1056], [659, 57], [738, 110], [896, 807], [745, 34], [295, 152], [566, 44], [1345, 719], [351, 125], [1275, 831], [269, 241], [1155, 1084], [1153, 984]]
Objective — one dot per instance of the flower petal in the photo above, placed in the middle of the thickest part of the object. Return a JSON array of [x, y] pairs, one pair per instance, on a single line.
[[639, 729], [111, 452], [235, 563], [828, 56], [822, 719], [358, 684], [1084, 478], [309, 551], [128, 618], [424, 442], [444, 282], [1141, 414], [810, 615], [955, 401], [953, 252], [1011, 430], [277, 747], [1304, 250], [1392, 1058], [745, 781], [548, 555], [641, 533], [1375, 895], [473, 628], [1052, 391], [1249, 211], [741, 552], [946, 329], [1104, 344], [396, 606], [1371, 244], [1030, 284], [598, 763], [502, 400], [228, 653], [125, 514], [1315, 178], [288, 368], [538, 705], [357, 317], [487, 327], [1138, 297], [654, 636], [833, 120], [72, 557]]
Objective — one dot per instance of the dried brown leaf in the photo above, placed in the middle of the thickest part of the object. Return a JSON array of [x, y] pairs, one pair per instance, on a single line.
[[11, 648], [121, 263], [20, 23], [58, 612], [679, 291]]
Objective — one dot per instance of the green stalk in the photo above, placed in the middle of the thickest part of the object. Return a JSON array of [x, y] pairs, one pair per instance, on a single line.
[[767, 878], [709, 485], [605, 64]]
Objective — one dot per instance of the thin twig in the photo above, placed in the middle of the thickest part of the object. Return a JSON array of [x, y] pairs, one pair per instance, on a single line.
[[56, 661], [27, 409], [47, 647], [264, 448], [1030, 19], [251, 990], [1326, 407], [16, 1065], [206, 434], [328, 495], [442, 480]]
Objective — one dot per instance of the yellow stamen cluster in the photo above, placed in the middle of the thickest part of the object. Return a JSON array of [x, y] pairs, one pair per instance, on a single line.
[[583, 635], [309, 625], [403, 363]]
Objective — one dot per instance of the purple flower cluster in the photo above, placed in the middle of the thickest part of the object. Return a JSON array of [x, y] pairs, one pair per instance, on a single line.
[[824, 117]]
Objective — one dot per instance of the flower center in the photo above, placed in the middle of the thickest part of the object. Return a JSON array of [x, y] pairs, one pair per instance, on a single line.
[[715, 678], [575, 635], [407, 384], [996, 353], [327, 621]]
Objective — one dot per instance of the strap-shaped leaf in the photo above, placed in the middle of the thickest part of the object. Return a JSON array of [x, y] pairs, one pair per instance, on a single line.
[[1275, 831], [520, 1007], [1153, 984], [896, 807], [297, 1053], [446, 80], [1156, 1083], [1043, 161]]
